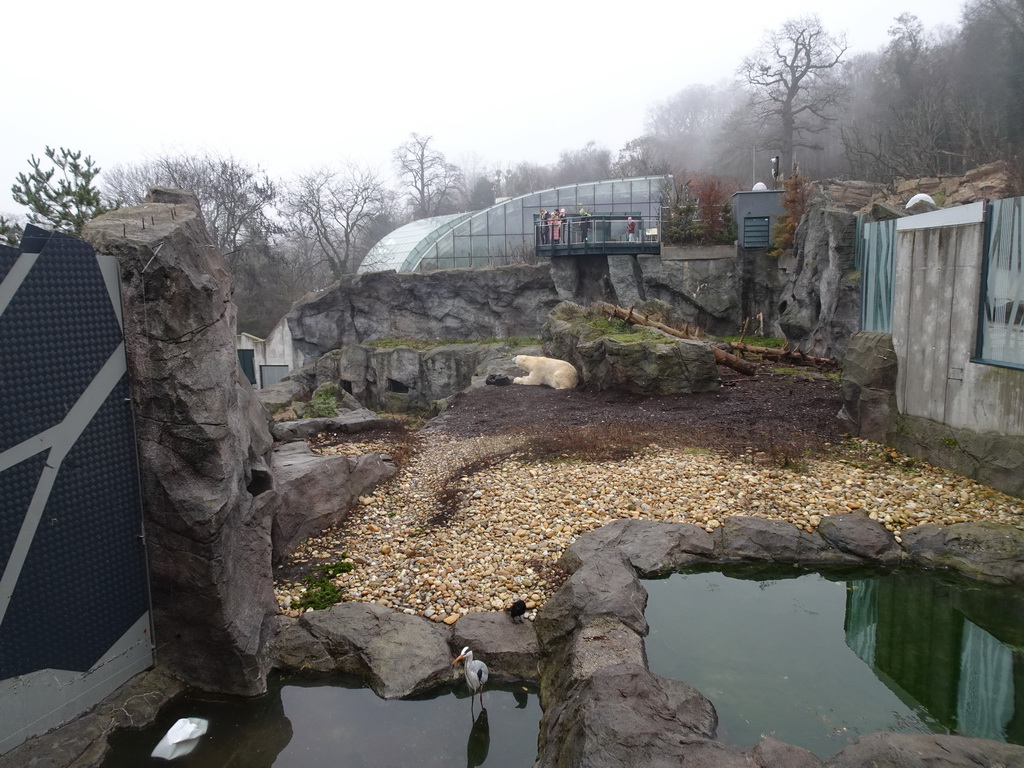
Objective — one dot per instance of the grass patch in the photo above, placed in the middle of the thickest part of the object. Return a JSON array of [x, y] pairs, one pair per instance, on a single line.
[[323, 405], [618, 329], [771, 342], [321, 592], [801, 373]]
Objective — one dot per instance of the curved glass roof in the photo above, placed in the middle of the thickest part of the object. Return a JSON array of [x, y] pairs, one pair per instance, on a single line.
[[505, 233], [401, 249]]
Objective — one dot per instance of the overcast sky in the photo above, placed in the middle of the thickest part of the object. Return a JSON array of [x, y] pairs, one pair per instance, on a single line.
[[293, 85]]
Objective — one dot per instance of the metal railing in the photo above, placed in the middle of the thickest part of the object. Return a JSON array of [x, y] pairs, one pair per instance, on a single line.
[[596, 230]]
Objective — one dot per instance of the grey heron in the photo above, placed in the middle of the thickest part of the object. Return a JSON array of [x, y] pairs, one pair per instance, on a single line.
[[476, 672]]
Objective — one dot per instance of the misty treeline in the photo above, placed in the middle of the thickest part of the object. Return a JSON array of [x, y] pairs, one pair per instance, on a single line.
[[929, 102]]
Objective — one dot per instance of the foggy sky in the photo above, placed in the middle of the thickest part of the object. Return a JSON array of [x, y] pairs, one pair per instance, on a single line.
[[291, 86]]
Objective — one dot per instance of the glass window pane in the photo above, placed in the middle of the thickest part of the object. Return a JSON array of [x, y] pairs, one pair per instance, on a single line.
[[548, 199], [585, 196], [478, 224], [641, 194], [496, 221], [603, 197], [514, 219], [568, 199], [622, 194]]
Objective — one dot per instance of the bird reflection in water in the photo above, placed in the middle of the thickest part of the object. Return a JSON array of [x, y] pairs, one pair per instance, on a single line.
[[479, 741], [522, 697]]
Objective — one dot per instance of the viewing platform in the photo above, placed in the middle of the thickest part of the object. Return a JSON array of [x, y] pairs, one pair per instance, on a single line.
[[596, 235]]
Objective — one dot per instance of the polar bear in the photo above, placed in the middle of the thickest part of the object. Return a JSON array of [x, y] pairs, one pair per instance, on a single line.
[[546, 370]]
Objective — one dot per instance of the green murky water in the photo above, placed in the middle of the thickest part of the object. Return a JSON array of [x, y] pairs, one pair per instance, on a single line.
[[819, 661], [304, 723]]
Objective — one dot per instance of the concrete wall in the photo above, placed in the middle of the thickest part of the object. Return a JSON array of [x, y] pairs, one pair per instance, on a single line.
[[935, 317], [276, 349]]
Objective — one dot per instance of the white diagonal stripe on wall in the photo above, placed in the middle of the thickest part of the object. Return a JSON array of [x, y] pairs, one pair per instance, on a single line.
[[59, 440], [13, 280]]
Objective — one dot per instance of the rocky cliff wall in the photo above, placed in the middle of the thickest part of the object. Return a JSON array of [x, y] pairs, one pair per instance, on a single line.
[[715, 294], [819, 301]]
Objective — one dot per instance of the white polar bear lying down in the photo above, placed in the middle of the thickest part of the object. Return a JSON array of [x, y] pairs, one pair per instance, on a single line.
[[546, 370]]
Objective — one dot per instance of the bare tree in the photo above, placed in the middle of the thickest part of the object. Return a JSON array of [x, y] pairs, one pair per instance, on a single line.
[[640, 157], [434, 183], [237, 199], [590, 163], [339, 206], [791, 76], [524, 178]]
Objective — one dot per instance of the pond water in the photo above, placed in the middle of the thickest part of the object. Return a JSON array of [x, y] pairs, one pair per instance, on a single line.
[[308, 723], [819, 660]]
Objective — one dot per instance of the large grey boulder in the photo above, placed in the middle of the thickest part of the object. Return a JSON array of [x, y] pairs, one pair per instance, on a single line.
[[601, 587], [346, 423], [651, 548], [450, 304], [316, 492], [277, 397], [395, 654], [509, 649], [623, 715], [203, 445], [926, 750], [989, 552], [860, 536], [772, 753], [755, 539]]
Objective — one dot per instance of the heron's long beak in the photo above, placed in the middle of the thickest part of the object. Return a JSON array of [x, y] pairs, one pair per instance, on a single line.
[[457, 661]]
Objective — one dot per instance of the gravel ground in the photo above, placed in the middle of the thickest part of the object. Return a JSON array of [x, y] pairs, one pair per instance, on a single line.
[[489, 495]]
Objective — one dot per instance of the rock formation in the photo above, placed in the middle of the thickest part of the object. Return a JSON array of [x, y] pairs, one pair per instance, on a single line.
[[211, 503], [515, 301], [203, 445], [645, 366], [455, 304], [315, 492], [819, 304], [987, 182], [602, 706]]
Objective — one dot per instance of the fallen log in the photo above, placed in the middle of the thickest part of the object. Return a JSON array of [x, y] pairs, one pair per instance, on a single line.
[[722, 357], [783, 353]]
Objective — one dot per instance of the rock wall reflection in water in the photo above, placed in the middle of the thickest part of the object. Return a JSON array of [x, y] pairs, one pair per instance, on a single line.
[[953, 650]]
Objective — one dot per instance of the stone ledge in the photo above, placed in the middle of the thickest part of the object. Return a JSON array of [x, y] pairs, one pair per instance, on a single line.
[[602, 707]]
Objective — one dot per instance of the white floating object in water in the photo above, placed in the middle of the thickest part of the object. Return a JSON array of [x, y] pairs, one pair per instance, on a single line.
[[181, 738]]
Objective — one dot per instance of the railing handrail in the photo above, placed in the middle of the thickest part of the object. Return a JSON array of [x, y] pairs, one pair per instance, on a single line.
[[593, 228]]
